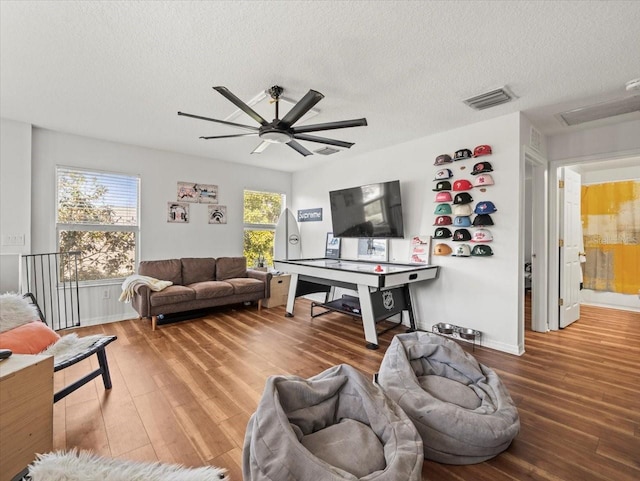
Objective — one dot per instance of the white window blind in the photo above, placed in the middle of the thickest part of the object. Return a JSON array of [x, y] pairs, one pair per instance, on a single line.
[[98, 198]]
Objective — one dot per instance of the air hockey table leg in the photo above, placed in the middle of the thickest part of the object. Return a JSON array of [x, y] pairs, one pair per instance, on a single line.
[[292, 295], [368, 319], [409, 306]]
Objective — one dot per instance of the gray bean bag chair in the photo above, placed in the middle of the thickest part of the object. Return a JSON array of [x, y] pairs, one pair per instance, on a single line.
[[337, 425], [460, 407]]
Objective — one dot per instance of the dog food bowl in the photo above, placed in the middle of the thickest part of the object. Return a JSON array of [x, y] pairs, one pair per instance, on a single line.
[[469, 334], [445, 328]]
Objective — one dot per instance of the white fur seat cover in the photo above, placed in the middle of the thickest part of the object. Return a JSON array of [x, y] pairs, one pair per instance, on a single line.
[[460, 407], [334, 426]]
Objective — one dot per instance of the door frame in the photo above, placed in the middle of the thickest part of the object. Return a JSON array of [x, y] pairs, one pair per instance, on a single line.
[[554, 233], [539, 235]]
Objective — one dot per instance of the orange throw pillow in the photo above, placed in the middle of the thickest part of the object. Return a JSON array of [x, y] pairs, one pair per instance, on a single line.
[[31, 338]]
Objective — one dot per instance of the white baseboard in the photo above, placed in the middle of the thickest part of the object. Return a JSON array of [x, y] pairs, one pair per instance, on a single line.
[[611, 306], [104, 320]]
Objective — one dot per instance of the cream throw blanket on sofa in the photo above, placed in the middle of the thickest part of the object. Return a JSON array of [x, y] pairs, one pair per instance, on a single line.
[[131, 282]]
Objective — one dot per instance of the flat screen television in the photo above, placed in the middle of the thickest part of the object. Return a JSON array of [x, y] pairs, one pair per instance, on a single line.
[[372, 210]]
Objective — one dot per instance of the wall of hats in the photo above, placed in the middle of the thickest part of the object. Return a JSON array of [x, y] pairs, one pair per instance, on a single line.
[[462, 223]]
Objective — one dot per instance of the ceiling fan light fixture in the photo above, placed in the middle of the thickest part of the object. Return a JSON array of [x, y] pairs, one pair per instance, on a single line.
[[275, 137]]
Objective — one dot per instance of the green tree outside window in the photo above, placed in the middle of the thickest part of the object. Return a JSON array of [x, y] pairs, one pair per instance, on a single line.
[[97, 214], [261, 213]]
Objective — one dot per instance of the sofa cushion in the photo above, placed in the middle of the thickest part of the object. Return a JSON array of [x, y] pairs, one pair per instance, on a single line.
[[172, 295], [167, 270], [246, 285], [211, 289], [230, 267], [198, 269]]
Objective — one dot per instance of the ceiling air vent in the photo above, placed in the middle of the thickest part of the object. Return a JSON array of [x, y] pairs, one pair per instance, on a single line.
[[326, 151], [490, 99], [601, 111]]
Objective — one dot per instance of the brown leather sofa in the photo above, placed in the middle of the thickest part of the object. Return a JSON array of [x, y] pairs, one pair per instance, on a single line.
[[198, 282]]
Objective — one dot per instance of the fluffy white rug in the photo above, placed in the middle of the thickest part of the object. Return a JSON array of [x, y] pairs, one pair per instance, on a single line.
[[70, 345], [85, 466], [15, 311]]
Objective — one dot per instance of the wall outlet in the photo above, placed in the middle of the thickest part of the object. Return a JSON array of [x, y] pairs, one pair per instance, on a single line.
[[106, 294]]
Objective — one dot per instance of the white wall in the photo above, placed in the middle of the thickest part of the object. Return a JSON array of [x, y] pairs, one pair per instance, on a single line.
[[611, 175], [159, 172], [610, 140], [15, 198], [477, 292]]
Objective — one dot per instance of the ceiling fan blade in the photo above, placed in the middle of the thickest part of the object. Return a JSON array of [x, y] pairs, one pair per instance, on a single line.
[[296, 146], [260, 148], [233, 124], [228, 136], [302, 107], [241, 105], [342, 124], [323, 140]]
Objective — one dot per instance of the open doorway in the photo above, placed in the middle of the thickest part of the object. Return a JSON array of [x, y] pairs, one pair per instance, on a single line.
[[592, 170]]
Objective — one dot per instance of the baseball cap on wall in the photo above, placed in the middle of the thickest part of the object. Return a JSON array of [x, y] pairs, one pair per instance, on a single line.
[[462, 209], [462, 154], [485, 207], [483, 180], [462, 184], [481, 168], [442, 233], [481, 251], [461, 235], [482, 235], [443, 209], [442, 250], [462, 221], [482, 220], [444, 185], [443, 159], [482, 150], [443, 174], [443, 197], [462, 250], [443, 220], [463, 198]]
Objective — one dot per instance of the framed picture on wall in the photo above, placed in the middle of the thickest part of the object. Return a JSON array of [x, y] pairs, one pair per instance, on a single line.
[[207, 193], [373, 250], [332, 249], [187, 192], [178, 212], [217, 214], [420, 250]]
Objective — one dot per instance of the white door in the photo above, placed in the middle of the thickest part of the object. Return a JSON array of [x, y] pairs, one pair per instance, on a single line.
[[571, 230]]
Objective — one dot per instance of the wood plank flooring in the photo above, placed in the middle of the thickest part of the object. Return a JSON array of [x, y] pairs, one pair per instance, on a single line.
[[184, 393]]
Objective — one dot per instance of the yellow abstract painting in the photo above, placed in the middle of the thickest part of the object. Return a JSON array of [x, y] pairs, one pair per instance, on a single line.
[[611, 228]]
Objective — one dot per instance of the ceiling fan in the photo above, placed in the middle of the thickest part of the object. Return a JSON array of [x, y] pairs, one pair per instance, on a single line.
[[282, 131]]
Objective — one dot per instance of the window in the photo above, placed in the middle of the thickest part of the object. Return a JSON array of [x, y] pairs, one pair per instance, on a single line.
[[261, 213], [98, 215]]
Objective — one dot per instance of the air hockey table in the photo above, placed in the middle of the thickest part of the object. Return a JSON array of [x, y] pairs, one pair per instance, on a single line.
[[383, 288]]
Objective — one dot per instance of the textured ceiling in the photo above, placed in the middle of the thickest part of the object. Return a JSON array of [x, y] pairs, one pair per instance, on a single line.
[[121, 70]]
